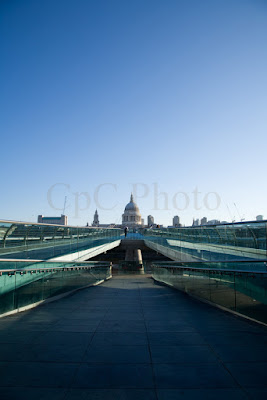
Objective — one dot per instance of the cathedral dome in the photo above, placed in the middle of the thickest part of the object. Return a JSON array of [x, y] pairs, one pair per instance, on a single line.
[[132, 206], [131, 215]]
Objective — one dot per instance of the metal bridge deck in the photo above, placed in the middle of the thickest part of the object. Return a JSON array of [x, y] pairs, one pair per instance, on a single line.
[[131, 339]]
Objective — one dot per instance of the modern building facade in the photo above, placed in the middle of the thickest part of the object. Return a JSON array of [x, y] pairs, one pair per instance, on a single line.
[[203, 221], [213, 222], [63, 220], [150, 220], [176, 221]]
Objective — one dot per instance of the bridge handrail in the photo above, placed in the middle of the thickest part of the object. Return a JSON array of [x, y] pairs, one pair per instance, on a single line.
[[211, 266], [240, 271], [242, 291], [7, 221], [54, 265], [48, 240]]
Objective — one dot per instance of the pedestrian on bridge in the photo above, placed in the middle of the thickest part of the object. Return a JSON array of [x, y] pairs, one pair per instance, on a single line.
[[126, 230]]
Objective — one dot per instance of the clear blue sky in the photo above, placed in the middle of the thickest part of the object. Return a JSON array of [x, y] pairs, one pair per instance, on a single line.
[[170, 95]]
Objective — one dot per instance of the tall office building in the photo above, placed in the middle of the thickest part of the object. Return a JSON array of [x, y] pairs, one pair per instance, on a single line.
[[176, 221], [203, 221], [150, 220]]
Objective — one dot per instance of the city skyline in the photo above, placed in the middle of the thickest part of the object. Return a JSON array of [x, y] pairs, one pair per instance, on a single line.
[[80, 206], [100, 99], [133, 206]]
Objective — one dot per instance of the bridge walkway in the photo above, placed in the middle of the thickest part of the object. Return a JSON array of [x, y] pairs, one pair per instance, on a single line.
[[130, 339]]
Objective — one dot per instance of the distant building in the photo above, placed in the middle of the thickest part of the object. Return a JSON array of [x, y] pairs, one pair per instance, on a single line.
[[203, 221], [195, 222], [96, 223], [131, 216], [213, 222], [96, 219], [259, 218], [176, 221], [63, 220], [150, 220]]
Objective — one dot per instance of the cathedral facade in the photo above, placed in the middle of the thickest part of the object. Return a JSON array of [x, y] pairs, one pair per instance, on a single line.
[[131, 215]]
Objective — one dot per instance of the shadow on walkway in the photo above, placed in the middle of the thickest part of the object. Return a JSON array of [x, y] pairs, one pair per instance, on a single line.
[[131, 339]]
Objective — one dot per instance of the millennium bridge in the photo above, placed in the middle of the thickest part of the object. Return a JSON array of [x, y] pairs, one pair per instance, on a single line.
[[162, 314]]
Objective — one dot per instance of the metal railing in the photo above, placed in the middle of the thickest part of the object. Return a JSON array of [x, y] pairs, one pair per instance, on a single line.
[[44, 241], [229, 242], [236, 286], [23, 285]]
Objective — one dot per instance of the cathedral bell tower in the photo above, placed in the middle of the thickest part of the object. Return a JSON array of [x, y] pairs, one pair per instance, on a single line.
[[96, 220]]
